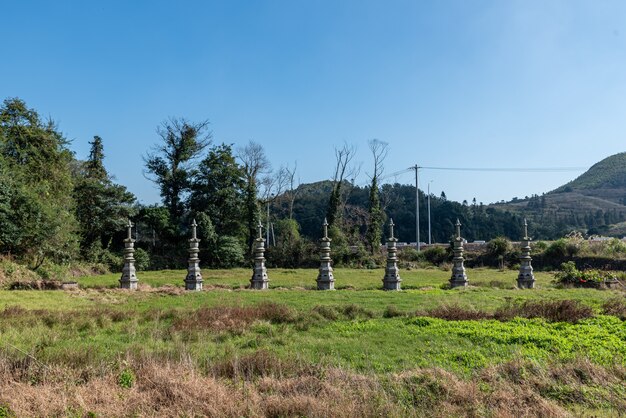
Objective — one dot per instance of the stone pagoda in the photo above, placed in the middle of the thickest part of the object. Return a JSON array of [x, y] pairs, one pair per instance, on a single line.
[[325, 278], [459, 278], [193, 281], [392, 279], [525, 278], [259, 278], [129, 275]]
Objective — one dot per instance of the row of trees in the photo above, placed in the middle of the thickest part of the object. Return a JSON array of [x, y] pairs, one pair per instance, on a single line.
[[54, 207]]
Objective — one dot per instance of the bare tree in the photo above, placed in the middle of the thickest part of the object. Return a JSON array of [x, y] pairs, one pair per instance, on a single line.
[[343, 169], [255, 164], [379, 152], [292, 191]]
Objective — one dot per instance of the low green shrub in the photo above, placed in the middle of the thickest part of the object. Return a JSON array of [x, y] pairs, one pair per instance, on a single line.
[[570, 275]]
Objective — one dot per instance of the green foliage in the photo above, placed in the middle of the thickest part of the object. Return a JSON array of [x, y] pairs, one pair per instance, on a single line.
[[570, 275], [102, 207], [35, 187], [375, 222], [218, 189], [435, 255], [616, 247], [126, 378], [5, 412], [172, 162], [142, 259], [557, 250], [498, 247], [218, 251], [229, 252]]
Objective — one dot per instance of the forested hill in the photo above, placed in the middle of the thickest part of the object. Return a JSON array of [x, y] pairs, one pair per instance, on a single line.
[[609, 173], [398, 201], [593, 203]]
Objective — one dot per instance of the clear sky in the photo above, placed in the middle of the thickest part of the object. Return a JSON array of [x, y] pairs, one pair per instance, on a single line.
[[446, 83]]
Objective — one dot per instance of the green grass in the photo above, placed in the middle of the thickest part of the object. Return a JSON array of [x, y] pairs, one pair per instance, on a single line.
[[346, 328]]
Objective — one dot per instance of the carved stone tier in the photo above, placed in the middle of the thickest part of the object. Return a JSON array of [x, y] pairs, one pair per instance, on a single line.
[[259, 279], [526, 277], [459, 278], [193, 281], [325, 278], [392, 279], [129, 275]]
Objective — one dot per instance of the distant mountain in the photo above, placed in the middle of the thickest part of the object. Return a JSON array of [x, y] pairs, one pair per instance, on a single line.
[[594, 202], [609, 173]]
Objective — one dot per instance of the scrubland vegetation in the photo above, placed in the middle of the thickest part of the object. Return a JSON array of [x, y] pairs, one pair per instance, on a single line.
[[489, 350]]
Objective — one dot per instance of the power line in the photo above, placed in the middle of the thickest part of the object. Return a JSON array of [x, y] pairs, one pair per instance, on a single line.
[[510, 169]]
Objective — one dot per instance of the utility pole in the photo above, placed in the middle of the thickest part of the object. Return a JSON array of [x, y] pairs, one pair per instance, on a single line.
[[429, 235], [267, 230], [417, 207]]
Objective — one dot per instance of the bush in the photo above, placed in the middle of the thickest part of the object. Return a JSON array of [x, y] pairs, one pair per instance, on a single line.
[[498, 247], [126, 379], [570, 275], [229, 252], [557, 250], [435, 255], [113, 261], [616, 247], [142, 259]]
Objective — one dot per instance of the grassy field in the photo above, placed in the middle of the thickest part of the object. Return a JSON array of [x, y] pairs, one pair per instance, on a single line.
[[487, 350]]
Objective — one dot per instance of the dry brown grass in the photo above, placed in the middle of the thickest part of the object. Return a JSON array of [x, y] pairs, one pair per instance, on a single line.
[[233, 318], [261, 385], [551, 310], [616, 307]]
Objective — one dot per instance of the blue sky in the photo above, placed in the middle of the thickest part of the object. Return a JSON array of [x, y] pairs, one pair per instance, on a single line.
[[445, 83]]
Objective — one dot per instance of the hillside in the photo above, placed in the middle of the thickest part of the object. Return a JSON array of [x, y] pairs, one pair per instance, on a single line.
[[594, 202], [604, 179]]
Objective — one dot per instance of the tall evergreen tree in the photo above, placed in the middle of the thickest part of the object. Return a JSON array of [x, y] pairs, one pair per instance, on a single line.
[[102, 207], [173, 162]]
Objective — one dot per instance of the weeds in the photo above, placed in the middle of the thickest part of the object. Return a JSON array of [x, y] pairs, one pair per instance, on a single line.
[[615, 307]]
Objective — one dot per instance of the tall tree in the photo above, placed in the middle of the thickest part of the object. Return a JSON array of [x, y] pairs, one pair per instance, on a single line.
[[218, 190], [374, 233], [95, 163], [102, 207], [343, 158], [255, 164], [171, 165], [35, 187]]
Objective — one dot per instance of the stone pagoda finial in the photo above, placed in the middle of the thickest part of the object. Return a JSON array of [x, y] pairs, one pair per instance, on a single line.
[[193, 280], [129, 275], [526, 277], [325, 278], [525, 229], [459, 278], [194, 227], [129, 228], [392, 279], [259, 278]]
